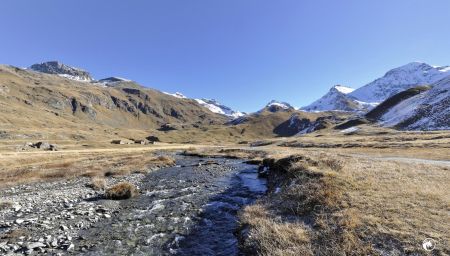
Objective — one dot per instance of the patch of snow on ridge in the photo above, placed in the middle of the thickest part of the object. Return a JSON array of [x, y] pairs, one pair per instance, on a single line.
[[344, 89], [76, 78], [350, 130], [215, 107], [176, 95]]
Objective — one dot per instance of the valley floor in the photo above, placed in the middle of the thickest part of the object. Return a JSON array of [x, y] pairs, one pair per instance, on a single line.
[[326, 195]]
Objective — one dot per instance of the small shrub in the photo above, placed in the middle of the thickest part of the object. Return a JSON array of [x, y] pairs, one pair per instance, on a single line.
[[98, 183], [122, 190], [166, 160], [333, 163]]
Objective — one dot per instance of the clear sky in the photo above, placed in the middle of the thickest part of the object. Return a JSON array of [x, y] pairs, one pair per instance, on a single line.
[[241, 52]]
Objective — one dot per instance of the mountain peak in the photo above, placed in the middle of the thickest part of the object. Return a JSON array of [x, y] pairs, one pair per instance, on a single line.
[[400, 79], [341, 89], [61, 69], [275, 106], [337, 98]]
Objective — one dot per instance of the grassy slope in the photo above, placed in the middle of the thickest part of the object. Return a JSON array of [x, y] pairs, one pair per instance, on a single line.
[[40, 105]]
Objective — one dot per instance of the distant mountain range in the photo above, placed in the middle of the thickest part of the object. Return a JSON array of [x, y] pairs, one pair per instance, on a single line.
[[394, 100], [370, 95]]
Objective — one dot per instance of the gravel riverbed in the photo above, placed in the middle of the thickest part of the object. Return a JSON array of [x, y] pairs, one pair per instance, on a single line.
[[189, 209]]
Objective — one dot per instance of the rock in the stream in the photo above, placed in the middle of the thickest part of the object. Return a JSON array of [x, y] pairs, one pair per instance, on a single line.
[[70, 247], [32, 246]]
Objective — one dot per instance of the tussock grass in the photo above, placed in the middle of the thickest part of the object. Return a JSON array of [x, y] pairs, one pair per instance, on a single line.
[[342, 205], [97, 183], [270, 237], [122, 190]]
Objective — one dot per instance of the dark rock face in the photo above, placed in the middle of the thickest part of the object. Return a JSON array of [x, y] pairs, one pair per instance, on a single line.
[[301, 125], [275, 109], [76, 106], [168, 127], [175, 113], [152, 138], [132, 91], [57, 68]]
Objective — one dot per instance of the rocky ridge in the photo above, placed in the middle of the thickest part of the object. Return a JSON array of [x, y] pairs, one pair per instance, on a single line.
[[58, 68]]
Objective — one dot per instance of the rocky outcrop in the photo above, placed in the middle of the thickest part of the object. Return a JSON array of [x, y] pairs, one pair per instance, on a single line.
[[40, 145], [57, 68]]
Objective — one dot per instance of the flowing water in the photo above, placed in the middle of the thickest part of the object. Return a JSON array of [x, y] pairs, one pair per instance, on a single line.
[[189, 209]]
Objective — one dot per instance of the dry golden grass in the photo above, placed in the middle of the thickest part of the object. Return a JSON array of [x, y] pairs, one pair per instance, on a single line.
[[26, 167], [378, 142], [350, 206], [98, 183], [122, 190], [270, 237]]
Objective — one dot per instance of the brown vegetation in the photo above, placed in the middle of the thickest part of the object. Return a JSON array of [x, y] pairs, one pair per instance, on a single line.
[[41, 166], [122, 190], [324, 204], [98, 183]]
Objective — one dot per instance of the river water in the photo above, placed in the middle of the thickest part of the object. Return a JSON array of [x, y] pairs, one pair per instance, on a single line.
[[189, 209]]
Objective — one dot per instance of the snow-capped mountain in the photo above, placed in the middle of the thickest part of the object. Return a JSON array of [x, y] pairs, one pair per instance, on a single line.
[[275, 106], [216, 107], [58, 68], [400, 79], [429, 110], [337, 98]]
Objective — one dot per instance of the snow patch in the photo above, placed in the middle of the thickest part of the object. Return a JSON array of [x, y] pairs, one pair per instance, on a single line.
[[216, 107], [76, 78], [350, 130], [344, 89], [176, 95]]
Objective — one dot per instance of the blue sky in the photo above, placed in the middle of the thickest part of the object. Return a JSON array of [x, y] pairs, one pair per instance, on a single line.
[[241, 52]]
